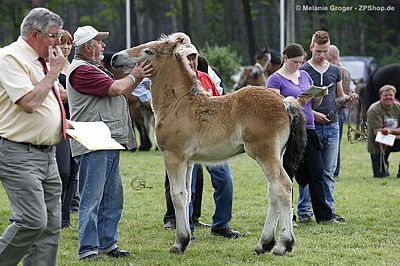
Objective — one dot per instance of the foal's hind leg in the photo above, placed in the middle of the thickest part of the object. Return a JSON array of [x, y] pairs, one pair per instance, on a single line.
[[284, 196], [280, 208], [178, 173]]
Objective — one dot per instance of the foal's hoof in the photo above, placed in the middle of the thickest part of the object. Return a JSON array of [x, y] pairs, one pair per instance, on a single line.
[[266, 247], [279, 252], [259, 251], [281, 249], [176, 250]]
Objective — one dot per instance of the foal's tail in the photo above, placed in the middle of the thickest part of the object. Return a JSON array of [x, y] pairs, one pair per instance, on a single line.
[[298, 135]]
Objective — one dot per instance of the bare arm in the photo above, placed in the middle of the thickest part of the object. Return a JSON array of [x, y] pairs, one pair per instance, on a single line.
[[301, 100], [34, 99], [386, 130], [128, 84], [63, 92], [341, 96]]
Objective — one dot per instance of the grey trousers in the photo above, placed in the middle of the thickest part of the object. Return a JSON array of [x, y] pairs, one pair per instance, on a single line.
[[33, 186]]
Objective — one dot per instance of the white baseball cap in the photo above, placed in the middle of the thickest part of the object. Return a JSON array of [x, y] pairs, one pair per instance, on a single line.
[[187, 49], [87, 33]]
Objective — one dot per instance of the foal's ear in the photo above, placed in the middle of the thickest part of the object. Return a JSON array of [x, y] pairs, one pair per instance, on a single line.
[[178, 55], [178, 52]]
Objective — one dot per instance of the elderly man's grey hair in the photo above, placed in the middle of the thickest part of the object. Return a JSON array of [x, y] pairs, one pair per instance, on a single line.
[[40, 19], [387, 87]]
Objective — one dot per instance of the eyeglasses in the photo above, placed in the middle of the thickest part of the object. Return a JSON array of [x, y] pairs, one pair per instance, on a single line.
[[52, 35]]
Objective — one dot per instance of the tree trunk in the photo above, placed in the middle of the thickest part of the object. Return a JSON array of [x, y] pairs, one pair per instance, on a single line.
[[199, 14], [250, 30], [185, 16]]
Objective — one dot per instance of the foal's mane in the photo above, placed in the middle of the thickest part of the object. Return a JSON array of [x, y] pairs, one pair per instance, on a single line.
[[169, 46]]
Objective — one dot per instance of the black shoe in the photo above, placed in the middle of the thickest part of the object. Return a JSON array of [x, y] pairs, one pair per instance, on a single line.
[[118, 253], [170, 225], [66, 225], [201, 224], [91, 257], [304, 218], [339, 219], [225, 232]]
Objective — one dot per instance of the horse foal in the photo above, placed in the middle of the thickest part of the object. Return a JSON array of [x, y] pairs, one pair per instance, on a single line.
[[191, 126]]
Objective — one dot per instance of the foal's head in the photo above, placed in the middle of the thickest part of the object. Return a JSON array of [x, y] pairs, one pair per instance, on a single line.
[[163, 53]]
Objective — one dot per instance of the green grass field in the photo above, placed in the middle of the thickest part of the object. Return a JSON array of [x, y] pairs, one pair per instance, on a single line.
[[370, 237]]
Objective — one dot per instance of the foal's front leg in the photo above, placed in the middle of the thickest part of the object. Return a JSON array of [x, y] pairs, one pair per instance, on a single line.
[[177, 173]]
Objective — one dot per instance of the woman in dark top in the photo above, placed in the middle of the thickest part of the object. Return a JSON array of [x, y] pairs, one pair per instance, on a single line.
[[67, 167]]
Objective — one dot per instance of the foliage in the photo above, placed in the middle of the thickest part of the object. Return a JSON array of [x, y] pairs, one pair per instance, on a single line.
[[355, 32], [225, 60], [370, 237], [394, 57]]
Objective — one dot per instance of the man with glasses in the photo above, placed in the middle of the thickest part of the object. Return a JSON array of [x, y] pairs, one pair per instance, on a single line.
[[55, 36], [94, 95], [32, 122]]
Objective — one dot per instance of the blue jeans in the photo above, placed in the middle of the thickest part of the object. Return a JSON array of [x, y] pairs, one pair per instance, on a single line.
[[222, 182], [100, 209], [304, 202], [329, 137]]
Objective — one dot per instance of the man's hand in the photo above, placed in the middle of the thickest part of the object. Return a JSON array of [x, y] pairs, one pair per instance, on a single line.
[[385, 130], [141, 70], [320, 118], [57, 60], [352, 96], [69, 124]]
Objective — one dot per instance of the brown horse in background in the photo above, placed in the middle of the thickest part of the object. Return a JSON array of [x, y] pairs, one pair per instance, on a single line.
[[191, 126], [257, 75]]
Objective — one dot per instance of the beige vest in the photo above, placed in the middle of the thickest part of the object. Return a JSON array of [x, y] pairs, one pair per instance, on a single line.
[[112, 110]]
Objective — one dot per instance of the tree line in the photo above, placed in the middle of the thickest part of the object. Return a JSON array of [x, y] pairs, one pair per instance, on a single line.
[[243, 25]]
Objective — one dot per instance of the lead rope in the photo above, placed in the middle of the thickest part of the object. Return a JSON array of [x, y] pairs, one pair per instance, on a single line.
[[355, 135]]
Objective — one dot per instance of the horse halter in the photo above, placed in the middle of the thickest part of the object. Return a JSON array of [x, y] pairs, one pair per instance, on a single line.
[[355, 135]]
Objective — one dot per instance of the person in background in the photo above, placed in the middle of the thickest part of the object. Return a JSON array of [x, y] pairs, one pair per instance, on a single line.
[[290, 81], [32, 123], [334, 58], [169, 216], [67, 167], [93, 95], [383, 116], [326, 74]]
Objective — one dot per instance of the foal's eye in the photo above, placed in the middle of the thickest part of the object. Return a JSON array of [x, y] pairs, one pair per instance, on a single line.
[[147, 51]]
